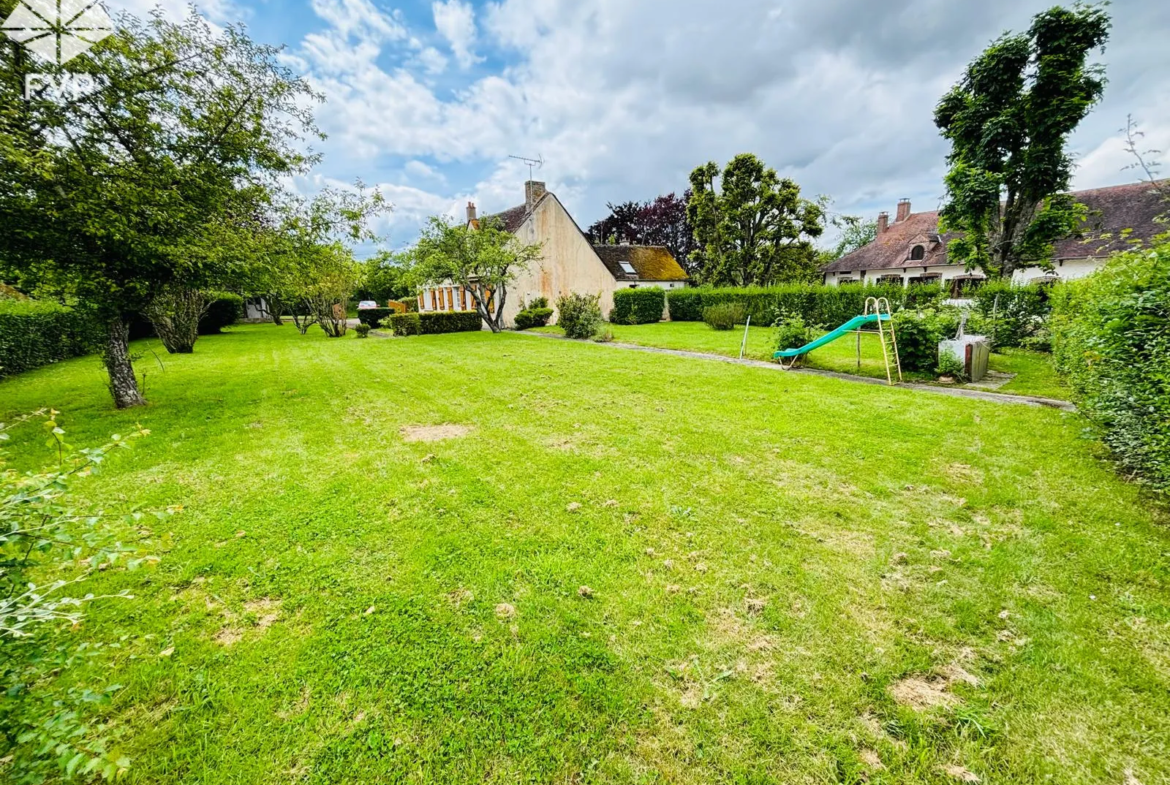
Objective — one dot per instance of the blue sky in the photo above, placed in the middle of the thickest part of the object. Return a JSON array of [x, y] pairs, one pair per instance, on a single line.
[[624, 97]]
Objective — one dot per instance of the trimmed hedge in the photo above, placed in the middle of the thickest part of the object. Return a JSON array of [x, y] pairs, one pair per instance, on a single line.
[[34, 333], [225, 310], [1111, 340], [638, 306], [435, 323], [533, 317], [815, 304]]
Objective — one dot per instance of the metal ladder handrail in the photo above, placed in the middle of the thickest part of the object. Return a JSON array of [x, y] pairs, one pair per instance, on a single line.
[[873, 305]]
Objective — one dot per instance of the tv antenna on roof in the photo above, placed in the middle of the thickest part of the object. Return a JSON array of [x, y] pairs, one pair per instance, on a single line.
[[537, 162]]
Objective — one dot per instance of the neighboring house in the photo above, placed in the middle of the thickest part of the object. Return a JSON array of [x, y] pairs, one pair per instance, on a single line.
[[911, 250], [568, 263]]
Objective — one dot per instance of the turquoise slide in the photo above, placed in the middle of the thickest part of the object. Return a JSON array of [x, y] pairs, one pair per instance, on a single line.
[[848, 327]]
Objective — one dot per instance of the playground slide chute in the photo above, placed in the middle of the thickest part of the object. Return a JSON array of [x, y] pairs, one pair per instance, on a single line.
[[850, 326]]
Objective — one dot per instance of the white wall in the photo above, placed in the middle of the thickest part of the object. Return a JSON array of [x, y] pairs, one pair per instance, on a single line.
[[1068, 270]]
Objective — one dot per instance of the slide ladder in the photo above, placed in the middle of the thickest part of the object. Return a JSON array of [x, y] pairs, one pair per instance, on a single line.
[[877, 311]]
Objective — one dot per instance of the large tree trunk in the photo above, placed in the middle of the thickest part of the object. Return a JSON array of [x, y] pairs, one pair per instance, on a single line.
[[275, 309], [123, 385]]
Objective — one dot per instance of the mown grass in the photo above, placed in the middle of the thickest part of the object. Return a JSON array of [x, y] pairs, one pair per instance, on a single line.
[[1035, 374], [773, 558]]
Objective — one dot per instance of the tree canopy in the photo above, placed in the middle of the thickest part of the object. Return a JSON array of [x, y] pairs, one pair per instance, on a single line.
[[1008, 120], [750, 225], [114, 194], [662, 221]]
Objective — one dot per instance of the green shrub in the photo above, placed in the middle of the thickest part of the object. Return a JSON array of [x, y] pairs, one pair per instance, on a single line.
[[579, 315], [225, 310], [603, 335], [35, 333], [374, 316], [685, 305], [1111, 340], [815, 303], [724, 316], [950, 364], [918, 334], [404, 323], [440, 322], [536, 303], [362, 331], [1011, 315], [533, 317], [434, 322], [638, 306], [791, 333]]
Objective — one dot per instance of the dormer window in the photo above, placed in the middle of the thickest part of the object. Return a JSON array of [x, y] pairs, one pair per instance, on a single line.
[[917, 253]]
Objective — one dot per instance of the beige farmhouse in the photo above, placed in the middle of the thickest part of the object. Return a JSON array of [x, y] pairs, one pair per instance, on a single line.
[[911, 249], [569, 261]]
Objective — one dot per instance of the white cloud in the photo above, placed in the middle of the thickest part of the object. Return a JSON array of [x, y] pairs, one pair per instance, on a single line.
[[624, 99], [455, 21]]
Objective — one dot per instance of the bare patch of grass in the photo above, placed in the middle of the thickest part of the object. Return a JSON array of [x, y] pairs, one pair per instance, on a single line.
[[433, 433]]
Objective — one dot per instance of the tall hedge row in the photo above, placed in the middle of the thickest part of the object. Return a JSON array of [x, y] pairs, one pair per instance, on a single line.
[[638, 306], [815, 304], [33, 334], [1111, 340]]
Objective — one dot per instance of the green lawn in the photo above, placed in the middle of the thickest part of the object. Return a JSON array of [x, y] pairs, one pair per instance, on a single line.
[[1035, 374], [794, 579]]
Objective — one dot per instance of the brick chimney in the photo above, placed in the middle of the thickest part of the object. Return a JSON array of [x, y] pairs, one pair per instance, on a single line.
[[903, 210], [471, 214], [532, 193], [883, 222]]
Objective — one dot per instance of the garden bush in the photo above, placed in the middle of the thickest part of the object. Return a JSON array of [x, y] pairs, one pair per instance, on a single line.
[[1111, 340], [724, 316], [375, 316], [440, 322], [638, 306], [918, 334], [35, 333], [1011, 315], [362, 331], [814, 303], [434, 323], [791, 333], [224, 310], [533, 317], [579, 315], [404, 323]]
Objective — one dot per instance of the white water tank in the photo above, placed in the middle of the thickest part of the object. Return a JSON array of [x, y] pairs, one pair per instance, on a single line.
[[973, 350]]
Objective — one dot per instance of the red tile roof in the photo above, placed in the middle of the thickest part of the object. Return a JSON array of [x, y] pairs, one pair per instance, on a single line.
[[1137, 207]]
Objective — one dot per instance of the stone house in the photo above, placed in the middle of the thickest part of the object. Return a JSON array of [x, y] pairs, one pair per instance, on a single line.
[[569, 261], [911, 249]]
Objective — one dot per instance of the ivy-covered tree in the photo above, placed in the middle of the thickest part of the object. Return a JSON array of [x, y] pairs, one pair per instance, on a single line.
[[662, 221], [1008, 121], [484, 261], [751, 226], [112, 195]]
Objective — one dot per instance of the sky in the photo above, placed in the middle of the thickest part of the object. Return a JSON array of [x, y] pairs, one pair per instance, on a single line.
[[623, 98]]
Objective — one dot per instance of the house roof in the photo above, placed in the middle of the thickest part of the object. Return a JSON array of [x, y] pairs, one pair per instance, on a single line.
[[650, 262], [509, 219], [1135, 207]]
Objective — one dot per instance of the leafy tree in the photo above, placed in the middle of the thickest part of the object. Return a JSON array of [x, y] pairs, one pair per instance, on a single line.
[[1008, 121], [111, 196], [856, 232], [662, 221], [751, 226], [484, 261], [387, 278]]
